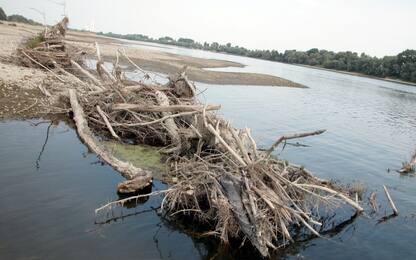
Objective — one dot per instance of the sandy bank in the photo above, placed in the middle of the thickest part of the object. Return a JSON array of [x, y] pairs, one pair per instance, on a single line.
[[157, 61]]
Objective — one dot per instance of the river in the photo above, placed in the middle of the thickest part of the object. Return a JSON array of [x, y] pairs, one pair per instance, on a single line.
[[48, 204]]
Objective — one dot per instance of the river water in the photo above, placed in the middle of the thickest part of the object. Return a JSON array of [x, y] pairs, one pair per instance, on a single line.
[[48, 204]]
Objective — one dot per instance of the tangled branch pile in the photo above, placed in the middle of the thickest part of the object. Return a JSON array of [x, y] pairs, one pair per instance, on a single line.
[[220, 176]]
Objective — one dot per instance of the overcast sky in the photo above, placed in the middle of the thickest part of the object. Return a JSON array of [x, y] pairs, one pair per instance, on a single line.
[[377, 27]]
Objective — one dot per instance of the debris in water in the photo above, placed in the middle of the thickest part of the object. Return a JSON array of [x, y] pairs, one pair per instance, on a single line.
[[218, 176]]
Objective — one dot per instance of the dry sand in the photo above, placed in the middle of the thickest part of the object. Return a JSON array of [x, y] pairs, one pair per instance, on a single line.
[[20, 86], [157, 61]]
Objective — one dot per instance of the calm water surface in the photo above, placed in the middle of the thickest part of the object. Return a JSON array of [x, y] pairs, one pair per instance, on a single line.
[[48, 207]]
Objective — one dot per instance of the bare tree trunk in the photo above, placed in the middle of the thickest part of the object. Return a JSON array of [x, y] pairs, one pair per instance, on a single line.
[[142, 177]]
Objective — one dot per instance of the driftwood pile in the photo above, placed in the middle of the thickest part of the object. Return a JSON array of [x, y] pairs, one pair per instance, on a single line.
[[218, 174], [47, 49]]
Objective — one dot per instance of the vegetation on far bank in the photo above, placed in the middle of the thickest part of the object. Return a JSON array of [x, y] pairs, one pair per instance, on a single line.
[[401, 66], [16, 18]]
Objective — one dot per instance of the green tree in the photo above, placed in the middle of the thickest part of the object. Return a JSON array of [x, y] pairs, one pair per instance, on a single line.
[[3, 16], [21, 19]]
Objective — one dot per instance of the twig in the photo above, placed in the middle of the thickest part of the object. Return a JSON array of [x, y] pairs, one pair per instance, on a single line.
[[107, 123], [224, 143], [373, 202], [293, 136], [100, 64], [44, 91], [98, 85], [134, 64], [395, 211], [253, 143], [240, 145], [46, 68], [171, 108], [331, 191], [122, 201], [27, 108]]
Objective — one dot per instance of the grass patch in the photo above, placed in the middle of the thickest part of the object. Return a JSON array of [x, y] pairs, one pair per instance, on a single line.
[[359, 189], [34, 42]]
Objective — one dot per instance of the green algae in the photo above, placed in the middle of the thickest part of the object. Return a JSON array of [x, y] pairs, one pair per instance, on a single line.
[[142, 156]]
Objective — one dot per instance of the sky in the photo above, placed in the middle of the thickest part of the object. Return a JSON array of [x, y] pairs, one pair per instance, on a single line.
[[376, 27]]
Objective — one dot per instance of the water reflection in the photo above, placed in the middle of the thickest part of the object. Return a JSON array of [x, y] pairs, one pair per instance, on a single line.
[[370, 128]]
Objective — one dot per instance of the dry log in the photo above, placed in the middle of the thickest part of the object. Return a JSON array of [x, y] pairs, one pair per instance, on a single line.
[[160, 120], [126, 169], [169, 123], [171, 108], [136, 88], [232, 190], [134, 185]]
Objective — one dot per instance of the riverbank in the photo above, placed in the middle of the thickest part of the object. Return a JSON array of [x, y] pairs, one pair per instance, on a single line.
[[150, 43], [357, 74], [151, 60]]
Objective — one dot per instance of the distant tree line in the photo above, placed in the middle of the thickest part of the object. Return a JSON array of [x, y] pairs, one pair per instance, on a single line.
[[16, 18], [401, 66]]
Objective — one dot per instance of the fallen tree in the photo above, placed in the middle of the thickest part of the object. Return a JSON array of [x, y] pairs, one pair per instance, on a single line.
[[220, 175]]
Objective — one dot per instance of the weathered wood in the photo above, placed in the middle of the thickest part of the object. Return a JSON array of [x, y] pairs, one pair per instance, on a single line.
[[225, 144], [134, 185], [136, 88], [169, 123], [333, 192], [98, 85], [172, 108], [181, 85], [122, 201], [410, 166], [38, 63], [395, 211], [126, 169], [107, 123], [293, 136], [240, 145], [232, 190], [100, 65], [133, 63]]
